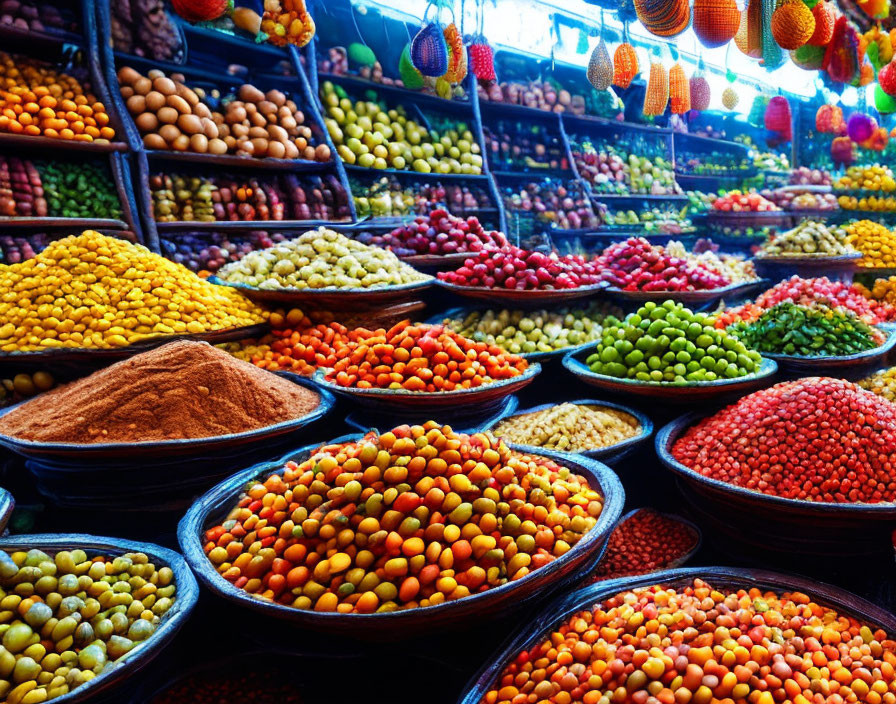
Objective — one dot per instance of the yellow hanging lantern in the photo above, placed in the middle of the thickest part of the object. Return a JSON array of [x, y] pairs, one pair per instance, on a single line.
[[656, 97], [730, 98], [679, 90], [625, 65]]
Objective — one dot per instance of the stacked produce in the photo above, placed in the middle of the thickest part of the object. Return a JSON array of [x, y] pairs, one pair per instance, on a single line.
[[523, 146], [874, 183], [882, 383], [794, 200], [714, 163], [664, 220], [615, 169], [804, 176], [809, 238], [644, 644], [559, 205], [533, 331], [440, 233], [740, 202], [807, 331], [669, 343], [637, 265], [883, 291], [38, 100], [320, 259], [438, 508], [513, 268], [171, 115], [90, 290], [198, 391], [371, 135], [259, 684], [72, 616], [14, 250], [143, 28], [209, 251], [23, 386], [387, 197], [569, 427], [539, 95], [851, 463], [31, 16], [428, 358], [849, 298], [701, 202], [876, 242], [646, 542], [187, 198], [736, 268]]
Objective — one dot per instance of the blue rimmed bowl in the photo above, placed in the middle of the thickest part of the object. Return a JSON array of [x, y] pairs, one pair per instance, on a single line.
[[462, 420], [611, 453], [524, 298], [772, 522], [674, 393], [7, 504], [540, 625], [127, 666], [501, 601], [401, 399], [836, 365], [836, 268], [340, 299], [690, 298]]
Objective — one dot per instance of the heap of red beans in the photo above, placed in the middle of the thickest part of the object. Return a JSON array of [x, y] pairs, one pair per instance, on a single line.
[[815, 439], [644, 542]]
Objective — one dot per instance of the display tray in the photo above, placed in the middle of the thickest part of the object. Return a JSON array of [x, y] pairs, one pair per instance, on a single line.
[[611, 453], [439, 262], [144, 652], [540, 625], [362, 170], [462, 420], [819, 260], [812, 212], [84, 357], [8, 139], [241, 162], [517, 297], [678, 393], [93, 223], [7, 504], [820, 366], [215, 225], [331, 296], [508, 598], [436, 400], [763, 218], [90, 453], [705, 296]]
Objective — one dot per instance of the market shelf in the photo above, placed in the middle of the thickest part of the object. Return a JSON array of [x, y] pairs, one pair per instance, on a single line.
[[594, 121], [362, 170], [53, 222], [711, 140], [242, 162], [40, 38], [404, 94], [536, 173], [186, 226], [636, 196], [715, 177], [67, 145]]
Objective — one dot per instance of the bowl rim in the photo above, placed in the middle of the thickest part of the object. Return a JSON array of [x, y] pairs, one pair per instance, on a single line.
[[708, 293], [30, 448], [643, 420], [767, 368], [525, 294], [525, 377], [809, 257], [673, 430], [868, 355], [7, 504], [223, 496], [845, 602], [508, 403], [328, 290], [186, 597]]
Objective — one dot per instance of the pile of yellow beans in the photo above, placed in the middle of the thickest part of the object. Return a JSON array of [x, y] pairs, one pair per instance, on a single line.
[[883, 383], [876, 242], [90, 290]]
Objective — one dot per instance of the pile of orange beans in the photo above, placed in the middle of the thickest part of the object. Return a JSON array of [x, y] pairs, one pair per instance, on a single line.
[[702, 645], [422, 358], [414, 517], [36, 100]]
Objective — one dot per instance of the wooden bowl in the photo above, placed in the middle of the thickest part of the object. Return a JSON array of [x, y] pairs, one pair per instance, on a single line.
[[512, 597], [340, 299]]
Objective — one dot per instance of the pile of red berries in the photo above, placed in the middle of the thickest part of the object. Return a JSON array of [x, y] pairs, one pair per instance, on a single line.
[[637, 265], [438, 233]]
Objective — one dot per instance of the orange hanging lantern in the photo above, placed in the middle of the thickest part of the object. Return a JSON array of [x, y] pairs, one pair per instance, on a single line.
[[625, 65], [656, 97], [679, 90], [457, 55], [664, 18], [828, 119], [825, 16], [792, 24], [716, 21], [749, 33]]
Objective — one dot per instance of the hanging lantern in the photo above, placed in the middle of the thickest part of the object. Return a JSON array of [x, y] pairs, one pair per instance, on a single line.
[[887, 79], [600, 68], [829, 119], [808, 57], [664, 18], [792, 24], [825, 16], [457, 54], [730, 98], [749, 33], [875, 9], [625, 65], [679, 90], [778, 117], [843, 151], [656, 97], [700, 93], [199, 11], [860, 127], [410, 76], [772, 56], [841, 59], [716, 21], [482, 60], [429, 52], [884, 103]]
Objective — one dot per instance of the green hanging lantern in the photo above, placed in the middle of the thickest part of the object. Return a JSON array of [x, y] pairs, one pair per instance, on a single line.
[[884, 103], [410, 76]]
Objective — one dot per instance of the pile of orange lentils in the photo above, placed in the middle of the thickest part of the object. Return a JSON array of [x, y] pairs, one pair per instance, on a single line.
[[701, 645], [37, 100]]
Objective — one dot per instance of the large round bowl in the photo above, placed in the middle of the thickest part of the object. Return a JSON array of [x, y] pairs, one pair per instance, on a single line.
[[608, 454], [540, 625], [836, 268], [134, 661], [396, 399], [7, 504], [673, 393], [771, 523], [342, 299], [462, 420], [689, 298], [527, 298], [831, 365], [451, 615]]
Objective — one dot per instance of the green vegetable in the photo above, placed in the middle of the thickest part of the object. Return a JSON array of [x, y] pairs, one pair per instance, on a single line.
[[79, 190]]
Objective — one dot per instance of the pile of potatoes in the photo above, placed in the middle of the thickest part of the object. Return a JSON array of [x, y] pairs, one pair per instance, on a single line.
[[170, 115]]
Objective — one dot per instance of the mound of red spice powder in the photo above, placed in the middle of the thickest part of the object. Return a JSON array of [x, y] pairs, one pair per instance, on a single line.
[[815, 439], [645, 542]]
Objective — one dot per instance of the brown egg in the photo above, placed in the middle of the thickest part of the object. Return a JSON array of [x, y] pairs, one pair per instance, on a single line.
[[189, 124], [199, 143], [278, 133], [239, 131], [136, 104], [308, 153], [230, 142], [299, 117], [167, 115], [179, 104], [154, 141], [288, 123], [147, 122], [258, 119], [258, 133], [142, 85], [128, 76], [276, 150], [202, 110], [276, 97], [155, 73], [259, 146], [169, 133], [292, 151], [266, 107], [181, 143], [209, 128], [126, 92], [186, 93], [217, 146], [154, 101], [250, 93], [322, 152], [301, 143], [236, 113], [164, 85]]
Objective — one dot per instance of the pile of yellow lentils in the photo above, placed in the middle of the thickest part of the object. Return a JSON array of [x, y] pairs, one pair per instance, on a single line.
[[876, 242]]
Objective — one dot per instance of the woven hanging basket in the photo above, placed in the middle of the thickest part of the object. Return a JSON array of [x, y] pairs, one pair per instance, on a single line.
[[457, 55], [778, 117], [825, 15], [841, 58], [828, 119], [429, 52], [772, 56], [600, 68], [843, 151], [700, 93], [730, 98], [410, 76], [716, 21], [749, 33], [679, 90], [656, 96], [664, 18], [482, 61], [808, 57], [625, 65], [887, 78], [793, 24], [884, 103]]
